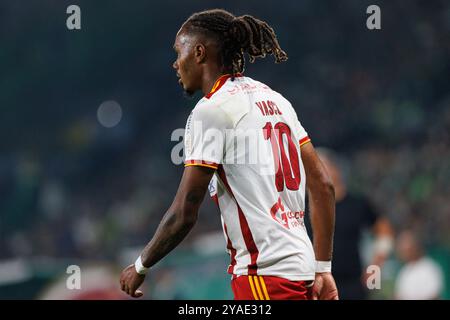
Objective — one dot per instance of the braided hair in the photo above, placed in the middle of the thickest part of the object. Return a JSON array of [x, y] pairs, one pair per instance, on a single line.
[[236, 36]]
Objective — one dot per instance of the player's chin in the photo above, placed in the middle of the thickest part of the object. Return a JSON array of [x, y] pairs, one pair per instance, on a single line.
[[188, 91]]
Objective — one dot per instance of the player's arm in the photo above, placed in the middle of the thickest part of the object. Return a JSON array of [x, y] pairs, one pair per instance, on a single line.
[[321, 203], [175, 225], [322, 209], [181, 216]]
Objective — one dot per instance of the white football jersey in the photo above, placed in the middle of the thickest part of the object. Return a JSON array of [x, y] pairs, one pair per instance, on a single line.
[[251, 135]]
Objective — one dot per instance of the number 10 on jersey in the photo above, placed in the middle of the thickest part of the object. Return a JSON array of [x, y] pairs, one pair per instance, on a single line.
[[287, 169]]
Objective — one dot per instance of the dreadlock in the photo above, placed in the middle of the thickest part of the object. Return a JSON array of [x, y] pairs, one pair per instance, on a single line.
[[237, 36]]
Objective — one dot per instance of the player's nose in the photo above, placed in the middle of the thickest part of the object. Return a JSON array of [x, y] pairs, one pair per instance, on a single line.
[[175, 65]]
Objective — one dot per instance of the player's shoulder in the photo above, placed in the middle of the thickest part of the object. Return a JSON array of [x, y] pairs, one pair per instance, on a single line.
[[208, 107], [227, 102], [281, 97], [210, 114], [261, 86]]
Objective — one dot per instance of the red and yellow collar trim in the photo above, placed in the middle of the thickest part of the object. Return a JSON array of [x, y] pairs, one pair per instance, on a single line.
[[220, 82]]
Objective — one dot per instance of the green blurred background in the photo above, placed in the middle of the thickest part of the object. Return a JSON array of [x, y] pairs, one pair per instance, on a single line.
[[86, 118]]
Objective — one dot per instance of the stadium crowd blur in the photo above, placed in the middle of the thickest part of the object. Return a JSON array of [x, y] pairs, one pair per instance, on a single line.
[[71, 188]]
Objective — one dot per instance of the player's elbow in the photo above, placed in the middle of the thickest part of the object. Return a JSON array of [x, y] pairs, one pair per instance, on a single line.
[[188, 217], [189, 205], [322, 184], [187, 214], [328, 186]]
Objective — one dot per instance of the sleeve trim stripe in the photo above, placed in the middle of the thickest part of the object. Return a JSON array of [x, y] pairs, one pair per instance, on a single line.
[[200, 165], [304, 141]]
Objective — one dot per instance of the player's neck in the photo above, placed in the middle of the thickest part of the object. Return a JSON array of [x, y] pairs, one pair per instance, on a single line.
[[210, 77]]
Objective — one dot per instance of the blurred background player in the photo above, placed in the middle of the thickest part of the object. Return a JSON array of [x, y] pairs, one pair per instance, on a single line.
[[261, 207], [354, 215], [420, 278]]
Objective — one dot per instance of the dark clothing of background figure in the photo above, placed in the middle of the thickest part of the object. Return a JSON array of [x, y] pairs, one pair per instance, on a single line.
[[353, 216]]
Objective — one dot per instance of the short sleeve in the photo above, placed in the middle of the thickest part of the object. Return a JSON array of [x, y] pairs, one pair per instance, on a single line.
[[204, 139], [303, 135], [300, 132]]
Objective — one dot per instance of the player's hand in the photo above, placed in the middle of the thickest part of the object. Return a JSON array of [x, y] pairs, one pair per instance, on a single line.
[[324, 287], [130, 281]]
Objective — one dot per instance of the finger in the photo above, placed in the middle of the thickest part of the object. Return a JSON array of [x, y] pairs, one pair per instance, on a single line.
[[335, 296], [137, 294], [315, 291], [330, 296], [127, 289]]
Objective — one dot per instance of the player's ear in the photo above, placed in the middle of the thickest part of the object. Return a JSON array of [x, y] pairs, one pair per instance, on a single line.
[[199, 53]]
